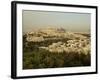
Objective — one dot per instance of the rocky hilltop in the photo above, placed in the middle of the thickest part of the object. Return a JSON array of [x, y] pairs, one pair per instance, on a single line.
[[52, 33], [62, 40]]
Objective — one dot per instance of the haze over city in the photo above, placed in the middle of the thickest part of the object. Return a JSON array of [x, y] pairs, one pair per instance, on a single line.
[[75, 22]]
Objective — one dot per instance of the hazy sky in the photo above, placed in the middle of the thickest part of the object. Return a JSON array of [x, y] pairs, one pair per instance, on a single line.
[[77, 22]]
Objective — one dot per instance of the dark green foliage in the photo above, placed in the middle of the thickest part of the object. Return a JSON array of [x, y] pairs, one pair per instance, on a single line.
[[45, 59]]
